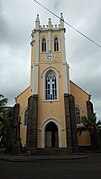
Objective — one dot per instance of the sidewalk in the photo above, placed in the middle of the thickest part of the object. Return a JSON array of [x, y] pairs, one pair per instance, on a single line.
[[34, 158]]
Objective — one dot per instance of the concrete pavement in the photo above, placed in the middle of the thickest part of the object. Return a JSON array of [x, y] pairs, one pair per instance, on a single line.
[[33, 158]]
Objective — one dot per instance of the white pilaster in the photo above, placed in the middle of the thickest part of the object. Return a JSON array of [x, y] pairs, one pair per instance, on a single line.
[[49, 40], [35, 79], [62, 39], [37, 47], [65, 66], [63, 47], [66, 80], [49, 34]]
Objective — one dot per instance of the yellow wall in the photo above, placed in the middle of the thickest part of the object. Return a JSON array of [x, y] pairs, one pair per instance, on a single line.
[[22, 99], [47, 109], [80, 99], [84, 139], [54, 110]]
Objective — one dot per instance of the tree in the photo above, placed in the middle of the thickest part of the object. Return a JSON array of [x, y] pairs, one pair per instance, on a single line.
[[90, 124], [9, 128], [3, 117], [3, 102]]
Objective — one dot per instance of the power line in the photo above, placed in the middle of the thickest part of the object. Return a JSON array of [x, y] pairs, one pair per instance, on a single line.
[[69, 25]]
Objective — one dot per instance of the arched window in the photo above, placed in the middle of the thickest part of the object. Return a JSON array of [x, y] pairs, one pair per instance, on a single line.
[[43, 44], [77, 113], [50, 85], [56, 44], [25, 117]]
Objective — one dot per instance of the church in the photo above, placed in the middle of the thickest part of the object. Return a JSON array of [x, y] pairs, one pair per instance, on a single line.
[[50, 109]]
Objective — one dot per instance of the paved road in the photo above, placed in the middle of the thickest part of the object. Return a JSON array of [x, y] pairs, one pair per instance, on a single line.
[[89, 168]]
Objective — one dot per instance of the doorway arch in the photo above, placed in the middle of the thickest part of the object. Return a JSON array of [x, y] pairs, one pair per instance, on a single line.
[[46, 127], [51, 135]]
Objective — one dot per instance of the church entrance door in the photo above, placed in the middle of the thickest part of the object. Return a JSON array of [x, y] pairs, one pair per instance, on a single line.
[[51, 135]]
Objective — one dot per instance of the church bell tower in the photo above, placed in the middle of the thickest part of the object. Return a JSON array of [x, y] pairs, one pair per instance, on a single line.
[[48, 49], [50, 109], [46, 125]]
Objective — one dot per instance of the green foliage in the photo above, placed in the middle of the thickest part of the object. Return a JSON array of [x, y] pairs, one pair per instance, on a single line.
[[94, 129], [89, 124], [4, 116], [5, 120], [3, 100]]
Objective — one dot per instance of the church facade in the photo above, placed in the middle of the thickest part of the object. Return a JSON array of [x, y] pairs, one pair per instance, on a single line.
[[51, 107]]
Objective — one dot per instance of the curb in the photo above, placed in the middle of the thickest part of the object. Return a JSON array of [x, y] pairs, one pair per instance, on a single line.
[[38, 158]]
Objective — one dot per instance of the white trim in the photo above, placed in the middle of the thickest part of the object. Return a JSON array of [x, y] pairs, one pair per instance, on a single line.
[[50, 68], [65, 69], [57, 81], [63, 47], [37, 47], [77, 105], [49, 41], [59, 131], [23, 117], [35, 79]]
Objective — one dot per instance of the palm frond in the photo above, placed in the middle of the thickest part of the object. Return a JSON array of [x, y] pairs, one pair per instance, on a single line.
[[99, 123], [85, 121], [1, 96], [92, 118], [81, 129], [3, 102], [5, 120]]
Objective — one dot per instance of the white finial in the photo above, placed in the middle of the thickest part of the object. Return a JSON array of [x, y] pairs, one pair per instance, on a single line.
[[37, 22], [61, 21], [49, 23], [62, 16], [37, 18]]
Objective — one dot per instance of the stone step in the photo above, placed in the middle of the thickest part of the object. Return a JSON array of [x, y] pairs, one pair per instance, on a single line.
[[51, 151]]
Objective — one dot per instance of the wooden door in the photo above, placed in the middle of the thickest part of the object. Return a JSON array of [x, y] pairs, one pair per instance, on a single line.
[[48, 139]]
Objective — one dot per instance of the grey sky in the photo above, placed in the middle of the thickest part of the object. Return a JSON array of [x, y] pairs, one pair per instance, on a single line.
[[17, 19]]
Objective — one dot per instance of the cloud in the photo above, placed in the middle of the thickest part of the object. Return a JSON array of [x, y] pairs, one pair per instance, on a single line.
[[17, 19]]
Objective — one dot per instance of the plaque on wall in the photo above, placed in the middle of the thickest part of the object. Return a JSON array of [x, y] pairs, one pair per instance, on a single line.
[[50, 55]]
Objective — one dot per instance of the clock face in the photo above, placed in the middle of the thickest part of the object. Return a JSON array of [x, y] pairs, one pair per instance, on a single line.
[[50, 55]]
